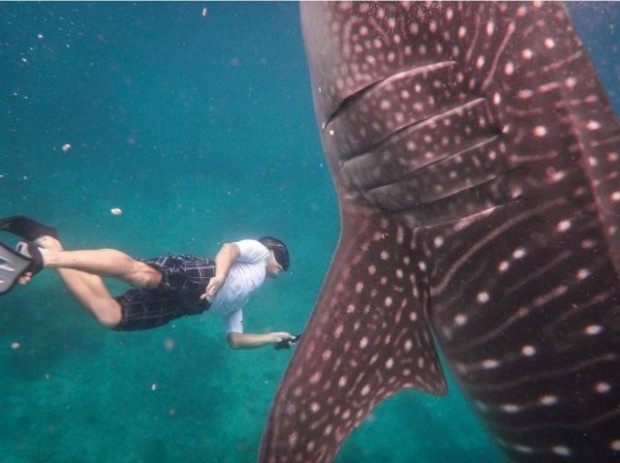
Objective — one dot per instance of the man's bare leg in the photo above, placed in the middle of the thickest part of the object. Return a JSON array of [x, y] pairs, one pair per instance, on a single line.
[[81, 272], [105, 263]]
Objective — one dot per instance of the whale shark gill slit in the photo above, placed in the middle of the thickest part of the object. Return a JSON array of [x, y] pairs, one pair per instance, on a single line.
[[364, 171], [354, 129]]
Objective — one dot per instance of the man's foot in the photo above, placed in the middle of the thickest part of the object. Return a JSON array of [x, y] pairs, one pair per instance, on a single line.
[[26, 228], [49, 243], [31, 251]]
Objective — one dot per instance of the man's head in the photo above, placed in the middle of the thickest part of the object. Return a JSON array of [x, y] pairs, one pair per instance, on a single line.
[[279, 250]]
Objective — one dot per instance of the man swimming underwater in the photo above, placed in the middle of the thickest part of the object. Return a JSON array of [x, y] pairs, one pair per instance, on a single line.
[[164, 288]]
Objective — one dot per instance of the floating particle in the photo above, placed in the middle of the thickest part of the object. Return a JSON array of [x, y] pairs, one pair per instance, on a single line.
[[116, 211], [66, 147], [16, 345], [154, 387], [169, 344], [205, 12], [40, 36]]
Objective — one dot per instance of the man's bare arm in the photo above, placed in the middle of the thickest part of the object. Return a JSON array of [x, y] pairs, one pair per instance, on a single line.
[[224, 259], [252, 341]]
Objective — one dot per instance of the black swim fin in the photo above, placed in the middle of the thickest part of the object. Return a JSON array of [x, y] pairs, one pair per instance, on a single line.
[[12, 266], [26, 228]]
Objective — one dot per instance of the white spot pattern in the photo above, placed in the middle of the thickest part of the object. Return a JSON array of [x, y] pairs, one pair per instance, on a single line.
[[528, 351], [602, 387], [593, 330], [561, 450]]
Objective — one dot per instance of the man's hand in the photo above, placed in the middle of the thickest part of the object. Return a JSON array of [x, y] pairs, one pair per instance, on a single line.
[[279, 336], [286, 343], [213, 287], [224, 259]]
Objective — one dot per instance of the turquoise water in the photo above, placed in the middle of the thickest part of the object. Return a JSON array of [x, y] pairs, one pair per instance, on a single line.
[[200, 128]]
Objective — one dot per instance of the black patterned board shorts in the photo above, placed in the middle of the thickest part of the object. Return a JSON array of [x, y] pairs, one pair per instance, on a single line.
[[184, 279]]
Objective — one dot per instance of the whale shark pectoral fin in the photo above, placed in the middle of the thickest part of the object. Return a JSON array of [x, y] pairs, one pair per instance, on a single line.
[[368, 338]]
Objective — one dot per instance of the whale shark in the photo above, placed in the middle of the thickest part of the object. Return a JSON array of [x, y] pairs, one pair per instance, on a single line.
[[475, 158]]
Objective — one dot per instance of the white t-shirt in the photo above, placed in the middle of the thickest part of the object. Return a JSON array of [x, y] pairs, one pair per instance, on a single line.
[[246, 274]]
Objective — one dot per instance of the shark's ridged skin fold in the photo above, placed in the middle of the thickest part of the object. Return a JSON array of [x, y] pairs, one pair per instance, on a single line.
[[476, 161]]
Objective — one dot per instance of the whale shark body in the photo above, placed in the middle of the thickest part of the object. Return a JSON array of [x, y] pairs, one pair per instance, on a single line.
[[476, 162]]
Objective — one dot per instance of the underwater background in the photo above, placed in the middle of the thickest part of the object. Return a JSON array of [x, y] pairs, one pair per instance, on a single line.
[[196, 121]]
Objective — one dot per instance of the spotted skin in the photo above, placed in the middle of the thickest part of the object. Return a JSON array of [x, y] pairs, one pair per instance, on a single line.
[[475, 159]]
